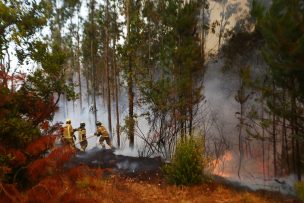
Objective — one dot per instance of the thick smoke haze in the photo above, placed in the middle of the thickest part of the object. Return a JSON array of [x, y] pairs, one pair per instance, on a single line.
[[71, 110], [220, 90]]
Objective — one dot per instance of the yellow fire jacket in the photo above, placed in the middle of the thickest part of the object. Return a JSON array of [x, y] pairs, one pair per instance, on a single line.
[[81, 134], [68, 131], [101, 130]]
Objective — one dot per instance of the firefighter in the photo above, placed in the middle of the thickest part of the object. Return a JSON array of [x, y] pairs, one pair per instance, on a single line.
[[102, 131], [82, 136], [68, 134]]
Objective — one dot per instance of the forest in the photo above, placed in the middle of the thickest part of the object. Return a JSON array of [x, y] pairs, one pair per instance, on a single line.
[[206, 95]]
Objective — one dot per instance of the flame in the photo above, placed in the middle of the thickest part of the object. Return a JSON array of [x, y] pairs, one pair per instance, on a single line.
[[226, 166], [219, 164]]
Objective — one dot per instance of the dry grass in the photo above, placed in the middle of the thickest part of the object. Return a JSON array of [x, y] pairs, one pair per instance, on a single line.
[[91, 186], [117, 189]]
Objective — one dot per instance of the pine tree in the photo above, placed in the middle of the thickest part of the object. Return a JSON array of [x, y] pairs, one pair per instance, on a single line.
[[282, 29], [130, 49], [170, 69]]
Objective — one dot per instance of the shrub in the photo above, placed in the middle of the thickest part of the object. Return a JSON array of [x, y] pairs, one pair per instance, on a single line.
[[187, 163], [50, 164], [17, 132], [299, 187], [41, 145]]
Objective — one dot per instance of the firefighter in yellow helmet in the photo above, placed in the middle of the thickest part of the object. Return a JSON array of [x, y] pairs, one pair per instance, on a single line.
[[82, 136], [68, 134], [102, 131]]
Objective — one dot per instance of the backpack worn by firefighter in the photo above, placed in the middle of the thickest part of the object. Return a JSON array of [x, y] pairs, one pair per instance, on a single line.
[[68, 134], [102, 131], [82, 136]]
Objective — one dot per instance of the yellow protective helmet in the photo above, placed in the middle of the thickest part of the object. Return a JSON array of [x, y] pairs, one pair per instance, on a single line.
[[68, 121]]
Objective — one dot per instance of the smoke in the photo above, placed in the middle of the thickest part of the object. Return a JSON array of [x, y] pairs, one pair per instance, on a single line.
[[219, 92], [127, 152], [257, 170], [221, 106], [72, 110], [127, 166]]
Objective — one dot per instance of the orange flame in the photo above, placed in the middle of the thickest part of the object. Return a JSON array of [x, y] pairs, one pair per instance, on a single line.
[[219, 164]]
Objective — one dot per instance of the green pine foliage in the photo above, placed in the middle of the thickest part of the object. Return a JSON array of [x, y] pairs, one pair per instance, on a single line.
[[281, 26], [188, 163], [169, 67], [17, 132], [282, 29], [299, 187], [29, 99]]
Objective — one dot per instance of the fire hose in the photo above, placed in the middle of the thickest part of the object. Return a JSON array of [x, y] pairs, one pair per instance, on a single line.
[[85, 139]]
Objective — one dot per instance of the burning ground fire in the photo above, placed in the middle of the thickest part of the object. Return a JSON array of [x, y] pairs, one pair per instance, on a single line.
[[219, 165], [227, 166], [254, 174]]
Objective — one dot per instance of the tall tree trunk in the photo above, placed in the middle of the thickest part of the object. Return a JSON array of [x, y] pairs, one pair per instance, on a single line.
[[94, 84], [73, 60], [108, 69], [8, 64], [263, 142], [88, 88], [93, 61], [131, 105], [181, 105], [285, 155], [221, 25], [296, 131], [130, 79], [191, 120], [268, 152], [78, 63], [241, 98], [190, 107], [202, 33], [292, 124], [241, 152], [117, 102], [116, 83], [274, 133]]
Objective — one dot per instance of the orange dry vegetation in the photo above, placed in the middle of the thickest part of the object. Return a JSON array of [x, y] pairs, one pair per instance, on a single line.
[[82, 184]]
